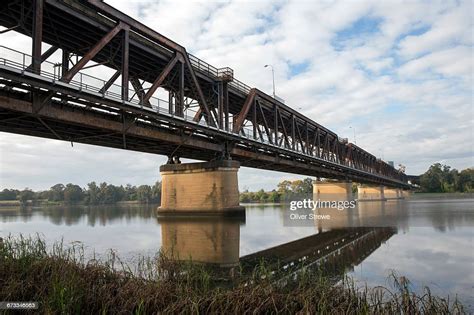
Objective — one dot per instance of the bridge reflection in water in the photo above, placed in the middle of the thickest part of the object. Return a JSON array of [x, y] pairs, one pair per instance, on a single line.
[[337, 245]]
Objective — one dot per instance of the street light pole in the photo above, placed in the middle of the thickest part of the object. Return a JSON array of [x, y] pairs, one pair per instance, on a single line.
[[273, 77], [354, 130]]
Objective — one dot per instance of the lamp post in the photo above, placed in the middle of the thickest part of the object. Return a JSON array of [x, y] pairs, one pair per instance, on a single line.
[[353, 129], [273, 77]]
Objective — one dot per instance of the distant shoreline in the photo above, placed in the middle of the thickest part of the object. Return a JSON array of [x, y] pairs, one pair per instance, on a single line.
[[17, 203]]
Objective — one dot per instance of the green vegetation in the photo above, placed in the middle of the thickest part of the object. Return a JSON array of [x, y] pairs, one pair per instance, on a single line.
[[441, 178], [64, 282], [94, 194], [286, 190]]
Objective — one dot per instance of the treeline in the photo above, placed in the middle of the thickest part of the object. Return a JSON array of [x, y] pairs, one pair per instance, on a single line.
[[442, 178], [286, 190], [93, 194]]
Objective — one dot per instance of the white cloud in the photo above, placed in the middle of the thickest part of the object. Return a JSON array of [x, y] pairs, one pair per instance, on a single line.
[[406, 86]]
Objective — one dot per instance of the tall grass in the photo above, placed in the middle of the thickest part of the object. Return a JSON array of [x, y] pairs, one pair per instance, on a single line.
[[63, 281]]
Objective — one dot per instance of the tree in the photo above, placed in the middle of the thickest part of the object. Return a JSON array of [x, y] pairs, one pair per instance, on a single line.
[[156, 192], [73, 193], [307, 185], [144, 193], [25, 195], [92, 193], [9, 194], [56, 193], [431, 180], [465, 182]]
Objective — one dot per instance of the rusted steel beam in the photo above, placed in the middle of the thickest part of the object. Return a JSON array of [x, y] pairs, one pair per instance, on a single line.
[[254, 120], [239, 120], [293, 140], [202, 100], [307, 144], [285, 133], [300, 138], [275, 122], [220, 104], [170, 102], [265, 123], [37, 35], [225, 95], [109, 82], [51, 50], [92, 52], [125, 62], [161, 77], [137, 86], [64, 62], [135, 25], [197, 117], [180, 101]]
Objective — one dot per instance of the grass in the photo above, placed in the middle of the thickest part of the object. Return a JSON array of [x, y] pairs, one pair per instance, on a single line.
[[65, 282]]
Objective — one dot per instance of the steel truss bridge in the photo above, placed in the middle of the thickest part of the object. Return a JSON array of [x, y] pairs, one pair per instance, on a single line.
[[158, 98]]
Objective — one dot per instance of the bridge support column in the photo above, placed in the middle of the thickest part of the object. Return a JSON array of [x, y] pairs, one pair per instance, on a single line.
[[370, 193], [406, 193], [332, 190], [392, 193], [200, 188]]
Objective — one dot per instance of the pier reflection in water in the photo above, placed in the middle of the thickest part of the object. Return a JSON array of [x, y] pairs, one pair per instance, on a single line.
[[213, 240]]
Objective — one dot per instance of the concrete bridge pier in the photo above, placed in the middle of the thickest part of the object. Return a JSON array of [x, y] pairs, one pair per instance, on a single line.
[[332, 190], [370, 193], [209, 188], [392, 193]]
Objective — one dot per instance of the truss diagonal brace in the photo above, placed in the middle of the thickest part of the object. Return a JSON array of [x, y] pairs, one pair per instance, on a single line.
[[93, 51], [239, 121], [159, 80], [202, 103]]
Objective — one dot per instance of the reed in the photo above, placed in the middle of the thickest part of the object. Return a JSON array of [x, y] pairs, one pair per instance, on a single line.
[[63, 281]]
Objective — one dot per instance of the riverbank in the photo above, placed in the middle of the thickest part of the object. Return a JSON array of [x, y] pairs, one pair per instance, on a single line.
[[62, 280]]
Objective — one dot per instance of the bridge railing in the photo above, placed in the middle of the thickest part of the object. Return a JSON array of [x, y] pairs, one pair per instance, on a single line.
[[208, 69]]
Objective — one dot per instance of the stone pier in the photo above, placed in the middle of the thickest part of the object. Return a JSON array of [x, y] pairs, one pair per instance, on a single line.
[[392, 193], [332, 190], [200, 188], [370, 193]]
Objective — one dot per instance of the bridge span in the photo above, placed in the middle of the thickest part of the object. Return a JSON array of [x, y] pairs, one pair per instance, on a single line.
[[158, 98]]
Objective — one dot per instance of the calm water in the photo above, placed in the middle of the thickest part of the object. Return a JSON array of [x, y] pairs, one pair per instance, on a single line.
[[431, 242]]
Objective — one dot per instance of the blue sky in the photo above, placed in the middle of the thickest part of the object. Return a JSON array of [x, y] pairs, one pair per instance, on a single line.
[[399, 72]]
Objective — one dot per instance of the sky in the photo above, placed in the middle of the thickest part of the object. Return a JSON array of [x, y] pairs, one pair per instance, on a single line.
[[396, 76]]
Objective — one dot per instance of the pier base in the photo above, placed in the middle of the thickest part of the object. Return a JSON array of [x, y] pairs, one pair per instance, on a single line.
[[200, 188], [392, 193], [370, 193], [332, 190]]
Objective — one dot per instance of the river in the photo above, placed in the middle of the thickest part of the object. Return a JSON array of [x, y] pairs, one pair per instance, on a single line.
[[430, 240]]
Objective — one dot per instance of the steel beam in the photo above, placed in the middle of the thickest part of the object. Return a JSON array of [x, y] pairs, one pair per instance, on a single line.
[[111, 81], [92, 52], [37, 35], [239, 120], [125, 62], [161, 77]]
